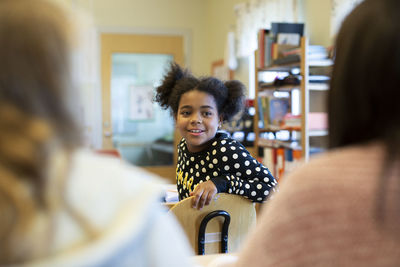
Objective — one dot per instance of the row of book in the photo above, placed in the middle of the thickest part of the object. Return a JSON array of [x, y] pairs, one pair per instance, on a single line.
[[274, 113], [278, 51], [280, 160], [272, 41]]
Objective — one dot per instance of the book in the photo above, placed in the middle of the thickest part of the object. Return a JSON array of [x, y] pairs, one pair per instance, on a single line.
[[278, 108], [272, 111], [269, 159], [288, 38], [261, 47], [290, 120], [318, 79], [287, 60], [280, 163], [265, 41], [268, 56], [285, 27], [314, 52], [260, 112], [280, 160], [274, 52], [317, 121], [292, 159], [266, 111], [287, 33], [324, 71]]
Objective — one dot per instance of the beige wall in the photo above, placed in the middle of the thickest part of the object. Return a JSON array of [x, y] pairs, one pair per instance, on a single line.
[[185, 17], [220, 20], [317, 15], [205, 24]]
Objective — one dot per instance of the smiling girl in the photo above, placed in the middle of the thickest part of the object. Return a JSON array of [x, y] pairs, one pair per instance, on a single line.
[[210, 162]]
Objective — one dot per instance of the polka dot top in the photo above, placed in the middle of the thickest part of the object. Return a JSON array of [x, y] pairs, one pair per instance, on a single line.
[[228, 165]]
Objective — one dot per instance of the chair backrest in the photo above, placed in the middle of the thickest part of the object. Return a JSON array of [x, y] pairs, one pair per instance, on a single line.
[[242, 218]]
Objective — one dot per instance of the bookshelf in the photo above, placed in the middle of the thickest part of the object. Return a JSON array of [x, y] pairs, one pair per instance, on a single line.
[[306, 101], [314, 95]]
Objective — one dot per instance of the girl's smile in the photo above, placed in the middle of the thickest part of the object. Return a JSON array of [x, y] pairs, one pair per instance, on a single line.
[[196, 132], [197, 119]]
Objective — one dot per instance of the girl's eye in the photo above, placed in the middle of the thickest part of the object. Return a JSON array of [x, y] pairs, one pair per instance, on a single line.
[[207, 113], [185, 113]]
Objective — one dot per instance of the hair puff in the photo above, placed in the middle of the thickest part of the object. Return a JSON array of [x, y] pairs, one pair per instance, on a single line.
[[235, 99]]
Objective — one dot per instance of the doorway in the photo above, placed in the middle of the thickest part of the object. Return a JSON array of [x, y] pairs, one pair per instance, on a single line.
[[131, 68]]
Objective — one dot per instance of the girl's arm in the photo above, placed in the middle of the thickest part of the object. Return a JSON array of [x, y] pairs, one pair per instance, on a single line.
[[243, 175]]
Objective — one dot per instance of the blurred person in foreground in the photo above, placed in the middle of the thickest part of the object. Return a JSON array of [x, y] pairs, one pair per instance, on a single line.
[[343, 208], [61, 205]]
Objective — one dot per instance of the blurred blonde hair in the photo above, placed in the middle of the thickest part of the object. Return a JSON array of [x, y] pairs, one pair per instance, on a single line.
[[34, 119]]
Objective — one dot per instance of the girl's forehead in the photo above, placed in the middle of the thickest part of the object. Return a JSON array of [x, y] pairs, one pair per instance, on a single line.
[[197, 98]]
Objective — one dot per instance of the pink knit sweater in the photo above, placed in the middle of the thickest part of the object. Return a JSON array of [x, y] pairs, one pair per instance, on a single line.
[[323, 215]]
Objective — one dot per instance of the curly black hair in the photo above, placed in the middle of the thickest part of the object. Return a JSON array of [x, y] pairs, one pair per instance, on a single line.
[[228, 95]]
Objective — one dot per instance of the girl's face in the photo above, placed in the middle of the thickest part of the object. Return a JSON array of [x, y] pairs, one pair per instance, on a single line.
[[197, 119]]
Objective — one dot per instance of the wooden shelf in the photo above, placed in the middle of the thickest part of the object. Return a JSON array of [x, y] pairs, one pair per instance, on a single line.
[[280, 68], [306, 89], [262, 142], [318, 86], [321, 63], [288, 67], [318, 133], [280, 88], [278, 128]]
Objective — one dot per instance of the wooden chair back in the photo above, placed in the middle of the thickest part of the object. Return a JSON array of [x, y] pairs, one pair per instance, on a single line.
[[242, 218]]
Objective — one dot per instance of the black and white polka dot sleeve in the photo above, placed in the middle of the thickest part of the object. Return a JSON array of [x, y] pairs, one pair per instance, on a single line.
[[243, 175]]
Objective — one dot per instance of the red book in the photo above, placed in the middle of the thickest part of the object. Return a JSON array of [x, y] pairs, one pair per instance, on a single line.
[[280, 162], [261, 50]]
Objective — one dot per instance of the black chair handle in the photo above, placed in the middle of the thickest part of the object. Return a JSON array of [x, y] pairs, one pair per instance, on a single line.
[[224, 232]]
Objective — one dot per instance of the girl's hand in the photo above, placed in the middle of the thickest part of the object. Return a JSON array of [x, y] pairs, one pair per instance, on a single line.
[[203, 194]]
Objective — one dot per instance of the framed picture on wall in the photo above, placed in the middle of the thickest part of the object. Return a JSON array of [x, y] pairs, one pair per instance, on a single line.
[[141, 105], [220, 71]]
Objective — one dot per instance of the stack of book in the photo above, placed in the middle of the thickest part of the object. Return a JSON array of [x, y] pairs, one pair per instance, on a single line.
[[291, 121], [281, 36], [315, 53]]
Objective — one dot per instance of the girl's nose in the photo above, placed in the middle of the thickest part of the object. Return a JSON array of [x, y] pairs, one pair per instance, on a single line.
[[196, 120]]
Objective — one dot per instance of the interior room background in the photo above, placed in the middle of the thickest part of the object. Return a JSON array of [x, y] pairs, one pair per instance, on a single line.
[[206, 27]]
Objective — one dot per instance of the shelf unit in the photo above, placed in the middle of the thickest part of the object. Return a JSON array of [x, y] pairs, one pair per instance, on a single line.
[[306, 89]]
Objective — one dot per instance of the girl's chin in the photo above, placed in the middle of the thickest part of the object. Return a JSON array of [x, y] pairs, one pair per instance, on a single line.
[[197, 146]]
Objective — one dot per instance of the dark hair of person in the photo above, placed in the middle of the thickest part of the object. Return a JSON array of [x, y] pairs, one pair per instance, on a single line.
[[363, 101], [228, 95], [364, 94]]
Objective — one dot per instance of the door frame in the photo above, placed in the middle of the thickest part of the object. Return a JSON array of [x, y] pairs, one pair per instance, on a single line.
[[126, 42]]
